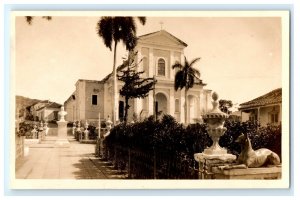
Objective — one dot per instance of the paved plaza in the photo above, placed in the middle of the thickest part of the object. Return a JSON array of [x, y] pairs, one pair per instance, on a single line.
[[44, 161]]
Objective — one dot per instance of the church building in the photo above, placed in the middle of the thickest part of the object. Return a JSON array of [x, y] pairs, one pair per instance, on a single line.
[[158, 51]]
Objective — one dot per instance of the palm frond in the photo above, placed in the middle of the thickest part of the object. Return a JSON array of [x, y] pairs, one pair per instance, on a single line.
[[105, 30], [142, 20], [194, 72], [179, 80], [194, 61], [186, 63], [119, 29], [29, 19], [177, 65], [47, 18]]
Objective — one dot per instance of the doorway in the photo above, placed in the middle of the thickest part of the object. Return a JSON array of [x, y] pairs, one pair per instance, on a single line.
[[121, 111]]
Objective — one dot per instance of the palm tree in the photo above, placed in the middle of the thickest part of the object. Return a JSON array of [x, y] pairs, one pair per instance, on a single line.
[[185, 78], [113, 30]]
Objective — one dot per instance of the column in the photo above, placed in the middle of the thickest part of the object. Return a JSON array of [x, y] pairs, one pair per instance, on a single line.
[[280, 113], [200, 104], [241, 116], [258, 114], [139, 103], [138, 106], [151, 63], [150, 103], [172, 103], [139, 57], [170, 64], [151, 74], [99, 125]]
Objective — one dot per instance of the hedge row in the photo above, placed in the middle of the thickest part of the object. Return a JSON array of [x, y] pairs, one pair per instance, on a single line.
[[172, 136], [168, 137]]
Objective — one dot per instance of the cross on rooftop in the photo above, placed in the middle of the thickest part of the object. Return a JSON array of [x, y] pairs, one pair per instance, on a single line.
[[161, 25]]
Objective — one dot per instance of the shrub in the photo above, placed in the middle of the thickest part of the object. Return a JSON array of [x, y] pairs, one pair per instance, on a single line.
[[92, 132], [70, 124], [25, 129]]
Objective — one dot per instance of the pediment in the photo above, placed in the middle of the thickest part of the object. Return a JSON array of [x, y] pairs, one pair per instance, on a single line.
[[162, 38]]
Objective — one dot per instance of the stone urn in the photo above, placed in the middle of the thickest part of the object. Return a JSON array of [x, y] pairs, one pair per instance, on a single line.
[[215, 121]]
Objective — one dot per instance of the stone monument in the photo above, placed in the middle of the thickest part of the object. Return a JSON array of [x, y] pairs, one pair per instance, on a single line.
[[86, 131], [214, 155], [62, 140]]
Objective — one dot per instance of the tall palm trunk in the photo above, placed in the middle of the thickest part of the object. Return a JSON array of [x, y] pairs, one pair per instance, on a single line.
[[115, 88], [185, 106]]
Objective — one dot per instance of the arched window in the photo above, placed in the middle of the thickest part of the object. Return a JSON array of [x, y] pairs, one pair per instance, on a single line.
[[161, 67]]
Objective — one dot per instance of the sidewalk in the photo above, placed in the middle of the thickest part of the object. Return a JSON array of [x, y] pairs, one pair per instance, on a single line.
[[77, 162]]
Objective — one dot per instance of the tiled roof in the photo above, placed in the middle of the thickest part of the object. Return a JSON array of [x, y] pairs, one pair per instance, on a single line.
[[272, 97], [180, 41], [53, 105], [50, 105], [89, 81]]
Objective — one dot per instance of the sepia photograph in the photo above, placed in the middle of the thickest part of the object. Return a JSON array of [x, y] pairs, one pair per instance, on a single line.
[[150, 99]]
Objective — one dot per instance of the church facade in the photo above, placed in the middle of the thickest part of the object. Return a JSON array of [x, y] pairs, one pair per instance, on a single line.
[[158, 52]]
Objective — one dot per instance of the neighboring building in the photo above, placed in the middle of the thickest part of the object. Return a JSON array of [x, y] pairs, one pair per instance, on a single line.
[[266, 109], [49, 112], [159, 51], [87, 101], [45, 110]]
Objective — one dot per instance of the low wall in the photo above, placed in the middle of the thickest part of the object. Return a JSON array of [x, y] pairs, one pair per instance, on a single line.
[[19, 146], [248, 173]]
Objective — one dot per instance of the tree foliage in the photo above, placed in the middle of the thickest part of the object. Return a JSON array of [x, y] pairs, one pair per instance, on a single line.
[[117, 29], [224, 105], [134, 86], [186, 77], [114, 30], [29, 19]]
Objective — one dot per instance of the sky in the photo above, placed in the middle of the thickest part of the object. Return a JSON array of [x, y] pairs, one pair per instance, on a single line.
[[240, 56]]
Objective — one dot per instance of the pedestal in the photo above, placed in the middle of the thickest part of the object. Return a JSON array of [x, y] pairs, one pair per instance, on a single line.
[[86, 135], [62, 140], [208, 161], [273, 172]]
